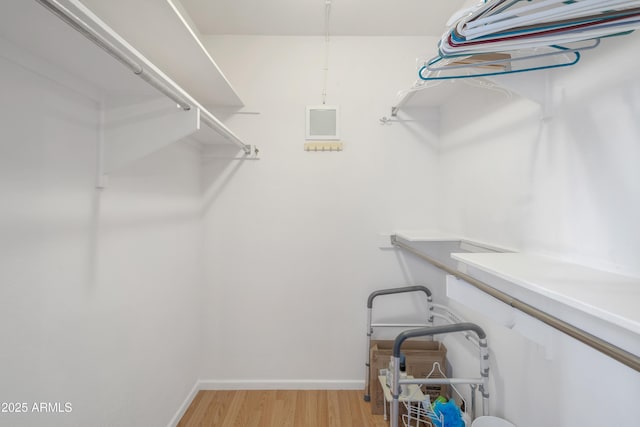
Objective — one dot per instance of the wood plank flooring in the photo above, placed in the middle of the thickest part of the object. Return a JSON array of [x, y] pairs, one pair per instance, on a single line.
[[280, 408]]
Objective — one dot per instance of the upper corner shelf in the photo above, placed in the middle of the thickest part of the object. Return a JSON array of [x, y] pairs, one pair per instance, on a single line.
[[439, 93], [430, 96], [171, 52], [116, 76], [535, 88], [160, 30]]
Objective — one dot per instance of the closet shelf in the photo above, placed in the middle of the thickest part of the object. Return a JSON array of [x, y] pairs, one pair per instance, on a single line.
[[421, 96], [440, 245], [426, 236], [137, 100], [537, 87], [161, 30], [437, 236], [603, 303], [596, 307], [438, 93]]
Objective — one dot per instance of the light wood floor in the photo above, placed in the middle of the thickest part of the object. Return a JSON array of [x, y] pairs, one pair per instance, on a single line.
[[282, 408]]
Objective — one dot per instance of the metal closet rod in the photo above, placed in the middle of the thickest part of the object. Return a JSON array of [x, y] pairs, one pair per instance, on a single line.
[[211, 121], [79, 25], [617, 353], [128, 61]]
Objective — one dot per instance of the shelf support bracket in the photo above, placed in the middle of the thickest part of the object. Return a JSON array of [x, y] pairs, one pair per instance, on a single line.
[[134, 131]]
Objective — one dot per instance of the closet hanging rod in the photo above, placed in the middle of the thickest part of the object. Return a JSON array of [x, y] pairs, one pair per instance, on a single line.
[[211, 121], [165, 87], [629, 359], [79, 25]]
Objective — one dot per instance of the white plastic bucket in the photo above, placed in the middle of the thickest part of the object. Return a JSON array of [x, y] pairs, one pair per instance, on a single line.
[[487, 421]]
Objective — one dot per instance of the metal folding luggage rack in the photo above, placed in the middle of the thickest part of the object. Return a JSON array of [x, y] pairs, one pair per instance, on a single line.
[[424, 416]]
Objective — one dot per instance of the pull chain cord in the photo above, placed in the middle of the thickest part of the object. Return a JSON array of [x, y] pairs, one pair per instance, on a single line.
[[327, 10]]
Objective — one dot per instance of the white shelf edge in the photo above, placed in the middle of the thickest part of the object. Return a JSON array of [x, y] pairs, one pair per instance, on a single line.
[[537, 88], [557, 281], [435, 92], [186, 20], [610, 325], [204, 116], [425, 236], [146, 98], [161, 31]]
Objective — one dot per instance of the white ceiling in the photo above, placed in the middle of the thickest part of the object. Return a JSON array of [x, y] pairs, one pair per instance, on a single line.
[[306, 17]]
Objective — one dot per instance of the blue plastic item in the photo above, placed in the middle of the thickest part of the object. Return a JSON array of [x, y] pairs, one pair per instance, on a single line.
[[449, 412]]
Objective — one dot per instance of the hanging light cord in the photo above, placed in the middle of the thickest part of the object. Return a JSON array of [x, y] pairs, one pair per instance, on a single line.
[[327, 13]]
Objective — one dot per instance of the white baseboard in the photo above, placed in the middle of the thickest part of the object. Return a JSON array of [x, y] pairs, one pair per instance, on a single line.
[[281, 385], [185, 405], [262, 385]]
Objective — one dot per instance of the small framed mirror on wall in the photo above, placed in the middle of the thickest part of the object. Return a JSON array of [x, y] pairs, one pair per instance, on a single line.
[[323, 122]]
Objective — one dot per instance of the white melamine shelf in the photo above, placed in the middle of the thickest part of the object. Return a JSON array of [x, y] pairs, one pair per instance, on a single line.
[[435, 236], [532, 293], [102, 77], [426, 236], [435, 94], [161, 31], [65, 56], [138, 117], [609, 297]]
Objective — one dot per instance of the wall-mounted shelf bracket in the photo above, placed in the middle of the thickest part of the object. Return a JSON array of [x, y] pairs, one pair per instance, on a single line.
[[134, 131], [131, 132], [435, 94]]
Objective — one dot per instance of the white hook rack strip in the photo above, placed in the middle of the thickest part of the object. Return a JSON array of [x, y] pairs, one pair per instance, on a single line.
[[323, 146]]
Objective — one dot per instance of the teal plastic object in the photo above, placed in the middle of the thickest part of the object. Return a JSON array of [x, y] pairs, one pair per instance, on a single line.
[[450, 414]]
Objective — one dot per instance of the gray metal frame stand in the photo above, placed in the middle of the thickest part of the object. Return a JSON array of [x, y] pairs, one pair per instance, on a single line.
[[482, 382], [370, 326]]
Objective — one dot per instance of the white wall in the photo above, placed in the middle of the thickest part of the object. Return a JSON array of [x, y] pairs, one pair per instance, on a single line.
[[561, 383], [292, 238], [569, 187], [100, 289], [291, 245]]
